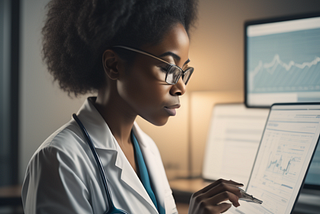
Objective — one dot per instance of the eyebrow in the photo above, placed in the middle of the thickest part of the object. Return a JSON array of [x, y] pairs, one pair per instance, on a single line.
[[175, 56]]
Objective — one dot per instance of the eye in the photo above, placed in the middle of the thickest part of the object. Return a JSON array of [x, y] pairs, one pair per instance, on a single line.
[[164, 68]]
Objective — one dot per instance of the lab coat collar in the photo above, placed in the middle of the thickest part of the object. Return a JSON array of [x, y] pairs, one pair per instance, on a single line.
[[105, 142], [97, 128]]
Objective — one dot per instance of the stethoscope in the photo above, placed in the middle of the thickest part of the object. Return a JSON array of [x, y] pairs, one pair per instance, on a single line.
[[112, 208]]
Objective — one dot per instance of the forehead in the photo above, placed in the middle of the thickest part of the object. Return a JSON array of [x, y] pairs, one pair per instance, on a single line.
[[176, 40]]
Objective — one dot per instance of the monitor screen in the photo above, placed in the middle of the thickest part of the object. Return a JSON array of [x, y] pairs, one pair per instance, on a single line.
[[282, 64], [233, 139], [287, 145], [282, 60]]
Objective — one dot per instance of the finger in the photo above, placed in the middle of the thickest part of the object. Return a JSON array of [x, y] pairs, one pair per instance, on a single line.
[[224, 207], [235, 183], [224, 196], [221, 208], [228, 181], [222, 187], [217, 183], [207, 207]]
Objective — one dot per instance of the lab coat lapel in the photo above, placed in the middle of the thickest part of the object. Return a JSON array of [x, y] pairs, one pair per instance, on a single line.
[[109, 151], [114, 155], [129, 176], [126, 172], [153, 165]]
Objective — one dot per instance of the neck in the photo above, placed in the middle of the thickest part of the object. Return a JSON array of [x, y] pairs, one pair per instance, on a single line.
[[117, 115]]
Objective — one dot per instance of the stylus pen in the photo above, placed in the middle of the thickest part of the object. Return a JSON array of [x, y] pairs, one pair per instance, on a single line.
[[248, 198]]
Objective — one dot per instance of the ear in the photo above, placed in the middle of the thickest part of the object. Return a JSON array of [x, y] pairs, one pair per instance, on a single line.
[[110, 62]]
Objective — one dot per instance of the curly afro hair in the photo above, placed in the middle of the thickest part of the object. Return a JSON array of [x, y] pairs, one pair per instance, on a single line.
[[77, 32]]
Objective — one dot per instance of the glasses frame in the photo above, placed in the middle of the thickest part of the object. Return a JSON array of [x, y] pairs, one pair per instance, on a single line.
[[181, 73]]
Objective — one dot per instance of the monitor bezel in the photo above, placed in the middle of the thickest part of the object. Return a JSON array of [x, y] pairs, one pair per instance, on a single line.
[[265, 21], [311, 186]]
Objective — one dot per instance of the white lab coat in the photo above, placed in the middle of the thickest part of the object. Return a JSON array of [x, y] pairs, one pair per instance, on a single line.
[[62, 176]]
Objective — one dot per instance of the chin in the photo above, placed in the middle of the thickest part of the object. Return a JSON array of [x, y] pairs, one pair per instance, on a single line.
[[158, 121]]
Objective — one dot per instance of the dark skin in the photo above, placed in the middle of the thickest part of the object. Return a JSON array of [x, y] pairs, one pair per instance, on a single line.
[[141, 90]]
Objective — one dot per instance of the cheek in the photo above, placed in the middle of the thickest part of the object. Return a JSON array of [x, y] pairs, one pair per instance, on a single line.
[[143, 91], [146, 94]]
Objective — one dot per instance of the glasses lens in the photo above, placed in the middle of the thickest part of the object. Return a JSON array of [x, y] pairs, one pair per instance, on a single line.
[[187, 75], [173, 75]]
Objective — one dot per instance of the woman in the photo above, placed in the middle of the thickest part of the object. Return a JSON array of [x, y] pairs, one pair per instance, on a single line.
[[134, 55]]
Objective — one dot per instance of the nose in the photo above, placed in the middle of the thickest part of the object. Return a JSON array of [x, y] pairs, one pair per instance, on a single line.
[[179, 88]]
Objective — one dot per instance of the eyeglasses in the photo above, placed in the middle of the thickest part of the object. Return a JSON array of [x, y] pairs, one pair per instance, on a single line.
[[173, 72]]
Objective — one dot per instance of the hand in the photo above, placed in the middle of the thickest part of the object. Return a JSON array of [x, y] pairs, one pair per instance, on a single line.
[[210, 200]]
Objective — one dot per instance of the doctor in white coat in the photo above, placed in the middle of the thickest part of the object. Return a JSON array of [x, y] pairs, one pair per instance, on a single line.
[[134, 55], [63, 175]]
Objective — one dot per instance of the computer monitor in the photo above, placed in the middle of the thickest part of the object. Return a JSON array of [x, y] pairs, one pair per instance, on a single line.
[[286, 148], [233, 139], [282, 60], [282, 64]]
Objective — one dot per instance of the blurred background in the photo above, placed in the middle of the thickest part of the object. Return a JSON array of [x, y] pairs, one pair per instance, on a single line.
[[32, 107]]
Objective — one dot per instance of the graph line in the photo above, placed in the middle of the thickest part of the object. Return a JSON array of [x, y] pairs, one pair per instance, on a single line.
[[287, 66], [276, 165], [268, 74]]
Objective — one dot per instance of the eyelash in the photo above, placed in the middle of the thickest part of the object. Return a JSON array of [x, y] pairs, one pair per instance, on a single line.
[[164, 68]]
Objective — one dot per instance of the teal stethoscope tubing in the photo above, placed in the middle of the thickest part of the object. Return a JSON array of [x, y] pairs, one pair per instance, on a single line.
[[112, 208]]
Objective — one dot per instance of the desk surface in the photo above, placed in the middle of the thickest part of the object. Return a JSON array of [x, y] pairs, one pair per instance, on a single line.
[[10, 196]]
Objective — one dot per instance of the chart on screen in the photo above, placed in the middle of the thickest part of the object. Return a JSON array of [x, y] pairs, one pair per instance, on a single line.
[[287, 146], [282, 61]]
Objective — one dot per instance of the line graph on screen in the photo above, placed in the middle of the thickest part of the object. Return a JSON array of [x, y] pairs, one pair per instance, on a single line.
[[270, 76], [283, 167]]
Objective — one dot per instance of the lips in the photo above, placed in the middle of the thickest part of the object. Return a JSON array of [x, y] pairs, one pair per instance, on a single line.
[[171, 110]]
